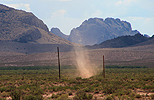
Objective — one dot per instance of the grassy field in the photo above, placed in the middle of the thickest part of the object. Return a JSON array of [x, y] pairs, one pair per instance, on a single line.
[[42, 83]]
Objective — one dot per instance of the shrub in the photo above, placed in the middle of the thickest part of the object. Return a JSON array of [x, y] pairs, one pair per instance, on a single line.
[[33, 97], [63, 97], [75, 87], [128, 92], [132, 94], [5, 94], [148, 87], [96, 92], [70, 93], [81, 95], [120, 92], [86, 90], [36, 91], [16, 95], [54, 88], [54, 96], [138, 96], [152, 96], [89, 96], [72, 81], [2, 89], [109, 98], [78, 78], [10, 88], [109, 89]]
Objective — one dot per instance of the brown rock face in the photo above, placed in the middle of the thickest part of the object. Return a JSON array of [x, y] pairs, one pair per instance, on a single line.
[[24, 27], [16, 23]]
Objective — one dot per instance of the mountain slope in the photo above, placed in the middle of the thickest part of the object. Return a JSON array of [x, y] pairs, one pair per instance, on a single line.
[[149, 42], [57, 32], [122, 41], [24, 27], [16, 23], [96, 30]]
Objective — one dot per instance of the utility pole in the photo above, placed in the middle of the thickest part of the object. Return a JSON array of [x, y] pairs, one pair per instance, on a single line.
[[58, 61], [103, 67]]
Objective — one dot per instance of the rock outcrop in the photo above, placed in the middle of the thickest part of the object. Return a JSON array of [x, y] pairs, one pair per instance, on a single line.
[[96, 30]]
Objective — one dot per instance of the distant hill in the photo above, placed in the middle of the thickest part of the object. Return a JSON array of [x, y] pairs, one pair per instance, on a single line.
[[24, 27], [57, 32], [148, 42], [96, 30], [122, 41]]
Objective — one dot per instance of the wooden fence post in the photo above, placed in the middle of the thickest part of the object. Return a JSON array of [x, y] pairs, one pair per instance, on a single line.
[[103, 67], [58, 61]]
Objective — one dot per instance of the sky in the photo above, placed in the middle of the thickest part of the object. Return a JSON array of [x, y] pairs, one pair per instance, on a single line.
[[69, 14]]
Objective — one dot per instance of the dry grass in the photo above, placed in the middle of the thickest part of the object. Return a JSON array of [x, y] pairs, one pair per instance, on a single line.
[[113, 56]]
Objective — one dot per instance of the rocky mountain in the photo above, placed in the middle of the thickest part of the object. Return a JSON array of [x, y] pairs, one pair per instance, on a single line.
[[57, 32], [122, 41], [24, 27], [96, 30]]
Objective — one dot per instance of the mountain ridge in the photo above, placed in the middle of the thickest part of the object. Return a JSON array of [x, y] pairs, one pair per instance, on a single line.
[[57, 32], [23, 32], [125, 41], [24, 27], [96, 30]]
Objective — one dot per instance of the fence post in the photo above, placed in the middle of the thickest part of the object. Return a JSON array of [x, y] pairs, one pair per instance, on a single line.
[[58, 61], [103, 67]]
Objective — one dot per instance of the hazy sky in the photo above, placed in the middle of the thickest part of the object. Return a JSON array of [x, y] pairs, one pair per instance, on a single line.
[[69, 14]]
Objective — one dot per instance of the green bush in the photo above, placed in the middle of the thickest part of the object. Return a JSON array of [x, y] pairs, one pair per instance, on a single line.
[[10, 88], [81, 95], [15, 95], [148, 87], [132, 94], [54, 96], [5, 94], [2, 89], [86, 89], [89, 96], [78, 78], [33, 97], [152, 96], [96, 92], [63, 97], [70, 93], [114, 66], [109, 98], [109, 89], [138, 96]]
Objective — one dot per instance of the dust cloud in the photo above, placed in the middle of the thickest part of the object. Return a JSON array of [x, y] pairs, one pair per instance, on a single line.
[[82, 62]]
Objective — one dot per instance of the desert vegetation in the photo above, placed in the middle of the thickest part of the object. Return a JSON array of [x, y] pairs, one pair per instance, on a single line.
[[42, 83]]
